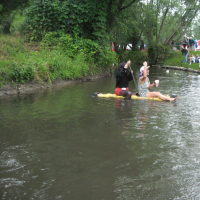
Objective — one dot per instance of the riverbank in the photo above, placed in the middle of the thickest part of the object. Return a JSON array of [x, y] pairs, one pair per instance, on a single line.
[[180, 68], [40, 65], [30, 88]]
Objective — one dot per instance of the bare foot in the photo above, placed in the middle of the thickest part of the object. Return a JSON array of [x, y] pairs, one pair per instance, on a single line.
[[173, 99]]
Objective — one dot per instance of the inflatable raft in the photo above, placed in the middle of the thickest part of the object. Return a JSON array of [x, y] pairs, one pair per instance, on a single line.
[[108, 95]]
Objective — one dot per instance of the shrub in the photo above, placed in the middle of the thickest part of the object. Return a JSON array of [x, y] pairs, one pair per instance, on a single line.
[[21, 74], [18, 24], [136, 57]]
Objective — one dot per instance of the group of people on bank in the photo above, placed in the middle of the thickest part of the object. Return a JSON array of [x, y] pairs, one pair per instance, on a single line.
[[192, 58], [124, 76], [189, 43]]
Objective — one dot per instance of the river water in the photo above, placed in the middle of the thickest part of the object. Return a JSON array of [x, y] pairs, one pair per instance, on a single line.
[[67, 144]]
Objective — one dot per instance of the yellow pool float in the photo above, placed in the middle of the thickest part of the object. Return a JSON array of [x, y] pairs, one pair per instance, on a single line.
[[108, 95]]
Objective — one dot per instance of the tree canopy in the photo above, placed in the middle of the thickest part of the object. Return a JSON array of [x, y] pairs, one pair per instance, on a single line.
[[7, 6]]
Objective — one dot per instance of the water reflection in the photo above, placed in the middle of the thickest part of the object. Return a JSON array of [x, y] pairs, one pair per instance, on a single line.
[[67, 144]]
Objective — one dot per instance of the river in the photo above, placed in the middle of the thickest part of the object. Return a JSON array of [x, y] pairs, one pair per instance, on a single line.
[[68, 144]]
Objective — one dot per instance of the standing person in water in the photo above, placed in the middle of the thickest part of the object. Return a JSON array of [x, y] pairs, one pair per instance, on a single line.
[[123, 77], [144, 85]]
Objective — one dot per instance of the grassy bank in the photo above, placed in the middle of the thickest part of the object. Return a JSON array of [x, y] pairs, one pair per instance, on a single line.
[[176, 59], [57, 57], [44, 62], [62, 58]]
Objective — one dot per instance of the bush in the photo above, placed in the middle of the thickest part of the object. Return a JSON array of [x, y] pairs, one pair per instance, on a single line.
[[94, 54], [18, 24], [59, 57], [136, 57], [21, 74]]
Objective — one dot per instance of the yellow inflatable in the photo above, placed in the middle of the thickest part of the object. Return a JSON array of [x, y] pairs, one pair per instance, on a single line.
[[108, 95]]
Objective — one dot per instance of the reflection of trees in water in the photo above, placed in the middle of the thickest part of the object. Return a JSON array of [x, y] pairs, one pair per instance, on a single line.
[[123, 113]]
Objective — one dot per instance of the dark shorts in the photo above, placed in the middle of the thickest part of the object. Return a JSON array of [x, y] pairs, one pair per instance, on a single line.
[[196, 60]]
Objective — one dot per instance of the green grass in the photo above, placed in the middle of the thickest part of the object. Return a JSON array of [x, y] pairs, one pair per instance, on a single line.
[[177, 58], [22, 62]]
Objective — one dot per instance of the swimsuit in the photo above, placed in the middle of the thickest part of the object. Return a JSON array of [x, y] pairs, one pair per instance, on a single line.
[[144, 88]]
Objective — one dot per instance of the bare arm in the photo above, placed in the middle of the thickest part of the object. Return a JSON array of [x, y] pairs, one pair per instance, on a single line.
[[127, 64], [152, 85], [143, 78]]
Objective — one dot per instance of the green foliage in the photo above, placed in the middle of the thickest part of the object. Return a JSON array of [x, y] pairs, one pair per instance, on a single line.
[[126, 29], [197, 30], [59, 67], [176, 59], [4, 71], [11, 45], [86, 18], [6, 9], [51, 61], [21, 74], [18, 23], [60, 41], [136, 57], [101, 55], [7, 6]]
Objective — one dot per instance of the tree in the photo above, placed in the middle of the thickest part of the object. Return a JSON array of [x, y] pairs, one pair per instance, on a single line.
[[166, 20], [196, 29], [87, 18], [6, 8], [126, 30]]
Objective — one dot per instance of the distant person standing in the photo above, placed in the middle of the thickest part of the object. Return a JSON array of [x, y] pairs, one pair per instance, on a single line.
[[172, 44], [196, 44], [184, 42], [193, 44], [188, 44], [141, 44], [185, 53]]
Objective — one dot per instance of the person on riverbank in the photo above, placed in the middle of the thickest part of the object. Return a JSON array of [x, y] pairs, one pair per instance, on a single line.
[[192, 59], [123, 77], [197, 58], [185, 52], [184, 42], [172, 44], [144, 85]]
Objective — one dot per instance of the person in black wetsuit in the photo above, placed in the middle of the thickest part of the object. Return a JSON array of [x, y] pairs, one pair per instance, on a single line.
[[123, 77]]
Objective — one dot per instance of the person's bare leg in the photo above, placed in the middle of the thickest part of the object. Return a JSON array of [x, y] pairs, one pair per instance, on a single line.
[[160, 96]]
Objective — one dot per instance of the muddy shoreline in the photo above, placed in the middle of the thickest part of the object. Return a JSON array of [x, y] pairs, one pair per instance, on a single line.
[[30, 88]]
